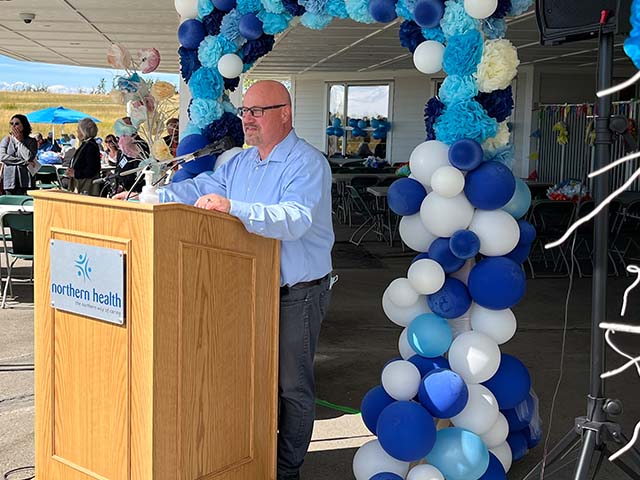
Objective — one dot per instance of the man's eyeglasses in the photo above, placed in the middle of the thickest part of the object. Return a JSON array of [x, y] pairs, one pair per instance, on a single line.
[[257, 111]]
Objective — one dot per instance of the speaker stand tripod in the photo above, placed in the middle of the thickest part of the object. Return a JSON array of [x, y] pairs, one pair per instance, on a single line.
[[596, 431]]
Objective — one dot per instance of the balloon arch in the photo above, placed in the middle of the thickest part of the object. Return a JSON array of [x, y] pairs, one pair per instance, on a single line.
[[454, 407]]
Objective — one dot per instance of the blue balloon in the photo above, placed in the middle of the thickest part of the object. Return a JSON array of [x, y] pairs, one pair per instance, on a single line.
[[406, 431], [518, 443], [191, 33], [520, 253], [520, 201], [337, 122], [441, 253], [451, 301], [426, 365], [224, 5], [420, 256], [405, 196], [459, 454], [181, 175], [362, 124], [490, 186], [533, 434], [331, 131], [372, 405], [496, 283], [464, 244], [443, 393], [466, 154], [190, 144], [527, 232], [520, 416], [386, 476], [495, 470], [383, 11], [511, 383], [429, 335], [375, 123], [338, 131], [353, 122], [356, 132], [379, 133], [428, 13], [250, 26]]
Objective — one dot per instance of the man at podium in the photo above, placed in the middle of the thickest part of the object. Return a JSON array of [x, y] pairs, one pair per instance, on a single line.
[[280, 188]]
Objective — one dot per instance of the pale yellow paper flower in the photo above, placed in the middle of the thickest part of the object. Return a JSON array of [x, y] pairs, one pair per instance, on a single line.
[[162, 90], [160, 150], [499, 65]]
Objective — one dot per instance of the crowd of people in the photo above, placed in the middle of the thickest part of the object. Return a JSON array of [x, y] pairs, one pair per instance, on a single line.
[[84, 154]]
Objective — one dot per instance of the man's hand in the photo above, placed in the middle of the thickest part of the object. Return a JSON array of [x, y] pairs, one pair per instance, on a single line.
[[214, 202], [123, 195]]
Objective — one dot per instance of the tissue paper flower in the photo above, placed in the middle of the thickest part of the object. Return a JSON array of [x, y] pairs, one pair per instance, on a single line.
[[500, 139], [189, 62], [410, 35], [206, 83], [337, 8], [456, 88], [149, 59], [213, 21], [273, 6], [463, 53], [118, 56], [162, 90], [499, 65], [128, 146], [358, 10], [494, 28], [274, 23], [315, 21], [214, 47], [160, 150], [202, 111], [465, 120], [456, 20]]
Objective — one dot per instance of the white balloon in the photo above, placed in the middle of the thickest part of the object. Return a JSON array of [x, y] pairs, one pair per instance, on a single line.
[[401, 293], [480, 413], [403, 316], [500, 325], [460, 325], [406, 352], [401, 380], [447, 181], [474, 356], [463, 273], [225, 156], [445, 216], [497, 434], [187, 8], [426, 276], [425, 472], [371, 459], [503, 452], [413, 233], [230, 65], [426, 158], [428, 57], [480, 8], [497, 230]]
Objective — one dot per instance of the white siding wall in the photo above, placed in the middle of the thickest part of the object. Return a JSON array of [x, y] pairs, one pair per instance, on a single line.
[[309, 111], [410, 95]]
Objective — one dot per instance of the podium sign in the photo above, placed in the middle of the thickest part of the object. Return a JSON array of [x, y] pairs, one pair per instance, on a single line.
[[88, 280]]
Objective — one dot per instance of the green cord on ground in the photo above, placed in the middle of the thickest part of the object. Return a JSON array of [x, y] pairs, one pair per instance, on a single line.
[[339, 408]]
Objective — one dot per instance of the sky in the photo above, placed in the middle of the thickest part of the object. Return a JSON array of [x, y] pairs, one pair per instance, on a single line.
[[61, 78]]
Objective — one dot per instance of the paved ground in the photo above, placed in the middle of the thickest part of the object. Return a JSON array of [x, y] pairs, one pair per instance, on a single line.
[[357, 340]]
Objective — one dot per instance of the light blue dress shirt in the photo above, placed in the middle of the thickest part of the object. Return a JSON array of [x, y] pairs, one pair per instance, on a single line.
[[286, 196]]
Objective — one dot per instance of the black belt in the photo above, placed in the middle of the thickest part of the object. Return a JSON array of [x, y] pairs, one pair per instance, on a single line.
[[301, 285]]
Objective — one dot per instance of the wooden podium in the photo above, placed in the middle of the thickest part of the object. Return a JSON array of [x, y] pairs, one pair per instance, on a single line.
[[187, 387]]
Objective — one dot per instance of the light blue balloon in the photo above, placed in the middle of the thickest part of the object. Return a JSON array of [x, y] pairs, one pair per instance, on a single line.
[[429, 335], [459, 454], [520, 202]]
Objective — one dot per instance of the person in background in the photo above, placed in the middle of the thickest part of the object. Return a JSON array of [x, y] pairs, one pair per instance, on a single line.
[[114, 154], [39, 140], [172, 140], [381, 150], [49, 144], [364, 150], [17, 151], [85, 166]]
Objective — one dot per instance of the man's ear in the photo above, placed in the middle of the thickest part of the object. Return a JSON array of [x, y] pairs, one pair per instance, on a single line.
[[286, 113]]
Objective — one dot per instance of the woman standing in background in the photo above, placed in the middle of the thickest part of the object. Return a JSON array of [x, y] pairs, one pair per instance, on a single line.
[[85, 166], [17, 152]]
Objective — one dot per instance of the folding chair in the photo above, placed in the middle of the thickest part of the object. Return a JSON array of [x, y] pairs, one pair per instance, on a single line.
[[47, 177], [21, 227], [15, 200], [63, 180], [372, 217]]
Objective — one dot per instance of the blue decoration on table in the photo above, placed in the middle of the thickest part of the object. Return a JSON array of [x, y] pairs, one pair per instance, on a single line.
[[451, 301], [190, 33], [518, 443], [383, 11], [456, 88], [250, 26], [521, 415], [490, 186], [372, 405], [465, 120], [362, 124], [337, 8], [189, 145], [465, 154], [315, 21], [443, 393], [511, 383], [337, 122], [527, 232], [428, 13], [203, 111], [441, 253], [518, 7], [230, 26], [464, 244], [496, 283], [357, 132], [213, 21], [386, 476], [254, 49], [358, 10], [206, 83], [293, 7], [331, 131], [212, 48], [379, 134], [420, 256], [459, 454], [498, 104], [436, 34], [248, 6], [503, 9], [520, 253], [463, 53], [224, 5], [353, 122], [429, 335], [405, 196], [189, 62], [426, 365], [228, 125], [520, 202], [432, 111], [495, 470], [406, 431], [494, 28], [410, 35], [456, 20]]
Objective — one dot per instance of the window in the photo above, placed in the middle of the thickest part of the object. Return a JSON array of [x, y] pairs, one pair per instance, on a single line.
[[354, 112]]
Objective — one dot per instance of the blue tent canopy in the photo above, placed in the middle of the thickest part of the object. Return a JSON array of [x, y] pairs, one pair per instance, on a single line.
[[58, 115]]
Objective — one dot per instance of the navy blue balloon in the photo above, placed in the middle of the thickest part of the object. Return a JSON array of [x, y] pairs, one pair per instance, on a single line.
[[490, 186], [426, 365], [520, 253], [518, 443], [497, 283], [181, 175], [420, 256], [386, 476], [527, 232], [533, 434], [428, 13], [353, 122], [383, 11], [357, 132], [466, 154], [373, 403], [464, 244], [511, 383], [441, 253], [190, 144], [495, 470], [519, 417], [250, 26], [406, 431], [224, 5], [331, 131], [362, 124], [405, 196], [191, 33], [451, 301], [338, 131], [337, 122], [443, 393]]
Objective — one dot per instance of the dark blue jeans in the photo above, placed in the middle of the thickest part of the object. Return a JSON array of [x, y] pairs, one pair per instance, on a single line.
[[301, 314]]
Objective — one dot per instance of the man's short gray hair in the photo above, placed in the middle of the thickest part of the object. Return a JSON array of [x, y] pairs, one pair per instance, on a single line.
[[88, 128]]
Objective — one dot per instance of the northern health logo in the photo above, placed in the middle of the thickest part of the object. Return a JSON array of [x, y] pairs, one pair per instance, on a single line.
[[83, 269]]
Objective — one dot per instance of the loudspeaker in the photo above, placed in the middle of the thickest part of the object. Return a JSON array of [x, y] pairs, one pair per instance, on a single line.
[[562, 21]]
